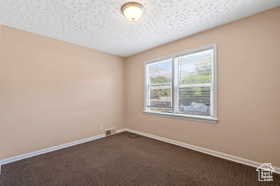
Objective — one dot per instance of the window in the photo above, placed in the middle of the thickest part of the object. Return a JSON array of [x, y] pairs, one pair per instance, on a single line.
[[183, 85]]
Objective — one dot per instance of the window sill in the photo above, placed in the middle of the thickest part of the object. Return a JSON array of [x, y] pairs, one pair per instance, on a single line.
[[207, 119]]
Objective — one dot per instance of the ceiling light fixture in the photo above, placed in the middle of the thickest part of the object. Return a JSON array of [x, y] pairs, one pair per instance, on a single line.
[[132, 11]]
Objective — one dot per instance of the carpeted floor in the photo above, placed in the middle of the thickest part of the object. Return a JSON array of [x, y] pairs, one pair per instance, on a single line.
[[122, 160]]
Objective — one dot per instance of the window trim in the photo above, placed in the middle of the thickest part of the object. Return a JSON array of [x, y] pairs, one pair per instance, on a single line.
[[214, 87]]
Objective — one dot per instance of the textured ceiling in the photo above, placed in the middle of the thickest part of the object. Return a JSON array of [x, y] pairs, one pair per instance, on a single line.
[[99, 24]]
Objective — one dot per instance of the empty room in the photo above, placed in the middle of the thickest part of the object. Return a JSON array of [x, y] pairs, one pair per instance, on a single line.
[[139, 93]]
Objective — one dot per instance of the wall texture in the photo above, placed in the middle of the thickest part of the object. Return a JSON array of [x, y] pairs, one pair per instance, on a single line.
[[249, 86], [52, 92]]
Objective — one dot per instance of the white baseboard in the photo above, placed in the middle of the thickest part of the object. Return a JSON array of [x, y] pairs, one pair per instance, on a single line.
[[121, 130], [51, 149], [164, 139], [203, 150]]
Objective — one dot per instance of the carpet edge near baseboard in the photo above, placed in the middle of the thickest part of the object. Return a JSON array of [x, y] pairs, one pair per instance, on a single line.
[[218, 154], [53, 148], [222, 155]]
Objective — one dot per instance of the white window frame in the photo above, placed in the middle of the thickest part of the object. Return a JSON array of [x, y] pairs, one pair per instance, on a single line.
[[174, 94]]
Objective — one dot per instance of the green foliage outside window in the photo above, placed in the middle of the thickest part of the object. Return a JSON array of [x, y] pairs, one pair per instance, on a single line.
[[197, 78], [160, 80]]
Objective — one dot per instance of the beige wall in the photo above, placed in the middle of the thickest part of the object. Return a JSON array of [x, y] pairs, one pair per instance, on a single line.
[[52, 92], [249, 90]]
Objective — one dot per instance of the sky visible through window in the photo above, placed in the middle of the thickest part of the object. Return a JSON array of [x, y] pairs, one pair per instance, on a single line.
[[161, 73], [191, 60]]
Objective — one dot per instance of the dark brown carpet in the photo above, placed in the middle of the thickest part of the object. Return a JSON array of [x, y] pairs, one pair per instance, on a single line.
[[124, 160]]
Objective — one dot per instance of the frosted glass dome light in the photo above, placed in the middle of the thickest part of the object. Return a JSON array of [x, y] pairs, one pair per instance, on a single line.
[[132, 11]]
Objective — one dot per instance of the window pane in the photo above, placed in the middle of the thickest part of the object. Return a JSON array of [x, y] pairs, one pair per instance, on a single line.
[[195, 68], [160, 100], [190, 76], [160, 73], [194, 100]]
